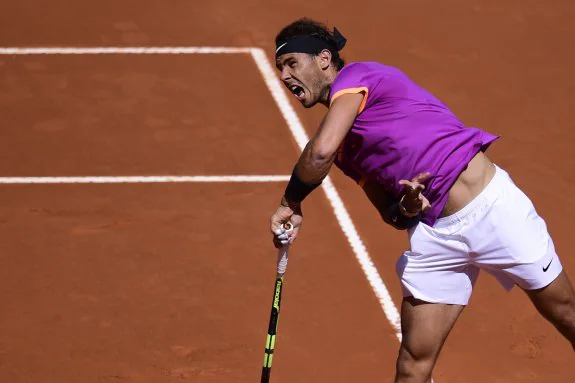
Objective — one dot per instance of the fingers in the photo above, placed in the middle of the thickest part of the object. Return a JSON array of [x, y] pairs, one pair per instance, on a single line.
[[417, 179], [277, 226], [279, 218], [279, 242], [413, 187], [285, 224], [425, 205], [280, 237], [413, 199], [284, 235], [420, 177], [283, 239]]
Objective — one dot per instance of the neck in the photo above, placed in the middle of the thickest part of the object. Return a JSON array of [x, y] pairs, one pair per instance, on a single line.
[[331, 74]]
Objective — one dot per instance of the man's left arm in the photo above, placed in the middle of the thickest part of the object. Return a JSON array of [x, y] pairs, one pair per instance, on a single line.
[[319, 154], [317, 158]]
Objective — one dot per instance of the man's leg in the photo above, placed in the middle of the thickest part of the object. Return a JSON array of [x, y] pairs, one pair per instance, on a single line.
[[424, 328], [556, 302]]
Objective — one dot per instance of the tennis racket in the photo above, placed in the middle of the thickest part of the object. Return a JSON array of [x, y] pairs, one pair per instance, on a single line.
[[275, 313]]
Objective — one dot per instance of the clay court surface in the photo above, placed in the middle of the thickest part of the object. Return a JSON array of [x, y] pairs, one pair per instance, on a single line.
[[171, 282]]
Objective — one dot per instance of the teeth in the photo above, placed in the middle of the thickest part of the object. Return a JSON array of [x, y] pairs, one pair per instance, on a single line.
[[296, 90]]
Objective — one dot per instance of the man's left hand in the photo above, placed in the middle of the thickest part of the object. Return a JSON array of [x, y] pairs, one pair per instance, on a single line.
[[286, 212]]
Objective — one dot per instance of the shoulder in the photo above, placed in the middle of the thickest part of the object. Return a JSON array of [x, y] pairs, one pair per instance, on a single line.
[[359, 77], [363, 71], [362, 75]]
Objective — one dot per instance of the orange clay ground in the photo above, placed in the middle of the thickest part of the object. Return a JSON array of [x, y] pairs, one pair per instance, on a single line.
[[173, 282]]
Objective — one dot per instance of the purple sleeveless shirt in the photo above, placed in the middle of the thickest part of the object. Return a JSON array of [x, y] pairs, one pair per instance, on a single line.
[[403, 130]]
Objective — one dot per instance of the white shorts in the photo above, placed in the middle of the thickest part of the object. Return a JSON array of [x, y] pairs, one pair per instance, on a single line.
[[499, 232]]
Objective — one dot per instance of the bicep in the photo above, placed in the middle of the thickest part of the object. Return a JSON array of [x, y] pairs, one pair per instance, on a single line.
[[337, 123]]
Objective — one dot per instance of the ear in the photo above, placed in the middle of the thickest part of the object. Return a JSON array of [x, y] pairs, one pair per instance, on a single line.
[[324, 59]]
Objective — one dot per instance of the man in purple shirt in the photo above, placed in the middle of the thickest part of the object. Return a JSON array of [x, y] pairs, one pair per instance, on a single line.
[[426, 173]]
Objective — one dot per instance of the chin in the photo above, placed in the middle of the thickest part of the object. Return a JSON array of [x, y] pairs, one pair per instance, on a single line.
[[308, 103]]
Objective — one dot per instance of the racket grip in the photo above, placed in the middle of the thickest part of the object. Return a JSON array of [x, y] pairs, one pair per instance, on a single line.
[[282, 260], [283, 253]]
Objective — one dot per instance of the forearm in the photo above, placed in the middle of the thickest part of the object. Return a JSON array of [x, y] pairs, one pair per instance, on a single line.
[[387, 207], [308, 173], [314, 164]]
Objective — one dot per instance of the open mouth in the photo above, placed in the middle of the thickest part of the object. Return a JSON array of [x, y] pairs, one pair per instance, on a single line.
[[298, 91]]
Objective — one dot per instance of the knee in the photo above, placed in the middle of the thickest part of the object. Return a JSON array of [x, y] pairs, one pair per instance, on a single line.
[[565, 315], [414, 367]]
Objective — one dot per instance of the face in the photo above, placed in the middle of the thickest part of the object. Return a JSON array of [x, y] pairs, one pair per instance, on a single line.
[[303, 75]]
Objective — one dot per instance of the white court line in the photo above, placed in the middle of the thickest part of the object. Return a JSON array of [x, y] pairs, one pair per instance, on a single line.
[[139, 179], [339, 208], [121, 50], [296, 128]]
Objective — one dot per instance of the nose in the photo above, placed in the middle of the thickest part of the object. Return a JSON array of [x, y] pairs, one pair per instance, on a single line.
[[285, 75]]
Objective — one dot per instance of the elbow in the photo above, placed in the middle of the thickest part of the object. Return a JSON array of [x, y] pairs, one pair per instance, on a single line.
[[322, 157]]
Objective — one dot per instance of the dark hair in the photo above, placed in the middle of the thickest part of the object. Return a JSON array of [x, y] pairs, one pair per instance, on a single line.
[[308, 27]]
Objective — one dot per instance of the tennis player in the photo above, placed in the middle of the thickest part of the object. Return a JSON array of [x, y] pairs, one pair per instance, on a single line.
[[426, 173]]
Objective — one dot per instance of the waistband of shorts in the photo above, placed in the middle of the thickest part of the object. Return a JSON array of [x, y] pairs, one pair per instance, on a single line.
[[487, 196]]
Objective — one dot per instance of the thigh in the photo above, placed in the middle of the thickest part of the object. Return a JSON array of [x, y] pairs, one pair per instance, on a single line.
[[511, 242], [436, 269], [425, 326]]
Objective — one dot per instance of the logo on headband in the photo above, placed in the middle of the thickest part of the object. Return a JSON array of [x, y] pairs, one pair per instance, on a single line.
[[311, 44]]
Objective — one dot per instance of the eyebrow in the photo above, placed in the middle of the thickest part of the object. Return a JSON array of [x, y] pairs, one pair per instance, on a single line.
[[281, 63]]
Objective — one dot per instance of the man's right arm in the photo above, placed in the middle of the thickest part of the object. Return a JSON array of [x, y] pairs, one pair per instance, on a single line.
[[387, 207]]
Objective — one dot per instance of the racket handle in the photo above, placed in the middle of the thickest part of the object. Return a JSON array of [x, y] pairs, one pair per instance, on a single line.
[[283, 253], [282, 260]]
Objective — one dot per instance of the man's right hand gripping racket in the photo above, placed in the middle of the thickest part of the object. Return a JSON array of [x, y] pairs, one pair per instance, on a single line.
[[276, 302]]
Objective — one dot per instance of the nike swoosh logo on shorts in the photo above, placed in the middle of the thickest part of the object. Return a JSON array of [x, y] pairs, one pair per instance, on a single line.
[[547, 268]]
